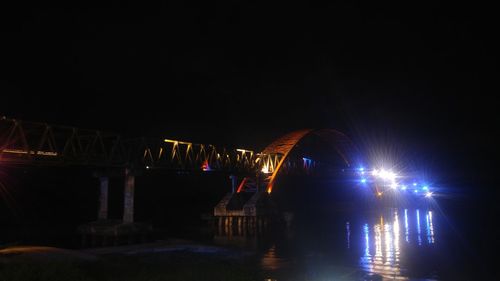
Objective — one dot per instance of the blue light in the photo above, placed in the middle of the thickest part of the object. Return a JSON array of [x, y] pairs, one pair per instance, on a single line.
[[416, 190], [407, 229], [425, 187], [403, 187], [363, 180], [418, 228], [414, 184]]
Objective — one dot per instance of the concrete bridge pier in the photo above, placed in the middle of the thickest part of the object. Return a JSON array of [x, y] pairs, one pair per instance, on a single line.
[[220, 222], [103, 198], [124, 230], [240, 225], [243, 225], [234, 183], [128, 197], [244, 222]]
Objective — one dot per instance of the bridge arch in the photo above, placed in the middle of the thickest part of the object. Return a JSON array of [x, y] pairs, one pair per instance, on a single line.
[[286, 143]]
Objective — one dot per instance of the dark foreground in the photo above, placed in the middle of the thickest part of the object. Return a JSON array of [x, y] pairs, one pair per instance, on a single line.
[[169, 260], [389, 244]]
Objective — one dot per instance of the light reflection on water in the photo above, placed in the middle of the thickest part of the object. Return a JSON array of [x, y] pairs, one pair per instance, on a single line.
[[372, 243], [407, 228], [430, 227], [418, 228], [385, 259], [271, 260]]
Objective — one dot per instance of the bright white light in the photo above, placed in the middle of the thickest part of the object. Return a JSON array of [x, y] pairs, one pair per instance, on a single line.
[[387, 175], [375, 172], [265, 169], [428, 194], [414, 184], [394, 185], [147, 167]]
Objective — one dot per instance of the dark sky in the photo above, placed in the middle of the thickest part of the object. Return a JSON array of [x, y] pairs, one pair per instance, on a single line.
[[418, 77]]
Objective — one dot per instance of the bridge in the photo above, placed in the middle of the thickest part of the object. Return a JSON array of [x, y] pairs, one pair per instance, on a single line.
[[253, 174]]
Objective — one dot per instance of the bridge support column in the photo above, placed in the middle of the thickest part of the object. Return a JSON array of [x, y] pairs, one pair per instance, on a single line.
[[245, 222], [234, 182], [220, 222], [128, 197], [103, 199]]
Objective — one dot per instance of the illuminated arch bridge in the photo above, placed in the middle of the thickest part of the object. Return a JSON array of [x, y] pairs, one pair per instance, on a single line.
[[248, 210]]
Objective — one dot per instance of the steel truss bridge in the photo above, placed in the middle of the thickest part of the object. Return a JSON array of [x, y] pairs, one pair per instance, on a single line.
[[33, 143], [36, 143]]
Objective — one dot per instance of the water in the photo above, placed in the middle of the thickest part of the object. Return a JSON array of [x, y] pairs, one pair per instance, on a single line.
[[402, 243]]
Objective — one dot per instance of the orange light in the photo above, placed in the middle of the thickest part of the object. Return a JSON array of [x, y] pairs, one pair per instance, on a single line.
[[205, 166], [241, 185], [31, 152]]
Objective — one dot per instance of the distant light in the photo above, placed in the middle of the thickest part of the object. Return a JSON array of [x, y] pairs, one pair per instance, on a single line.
[[361, 169], [363, 180], [147, 167], [243, 150], [425, 187], [265, 169], [403, 187], [416, 190], [428, 194], [205, 166], [379, 193], [387, 175], [414, 184]]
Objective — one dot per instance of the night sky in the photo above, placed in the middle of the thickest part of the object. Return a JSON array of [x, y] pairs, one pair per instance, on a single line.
[[413, 78]]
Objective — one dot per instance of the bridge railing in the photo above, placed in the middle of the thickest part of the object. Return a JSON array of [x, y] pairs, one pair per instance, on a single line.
[[35, 143]]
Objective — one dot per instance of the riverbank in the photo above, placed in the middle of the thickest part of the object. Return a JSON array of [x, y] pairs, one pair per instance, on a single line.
[[164, 260]]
